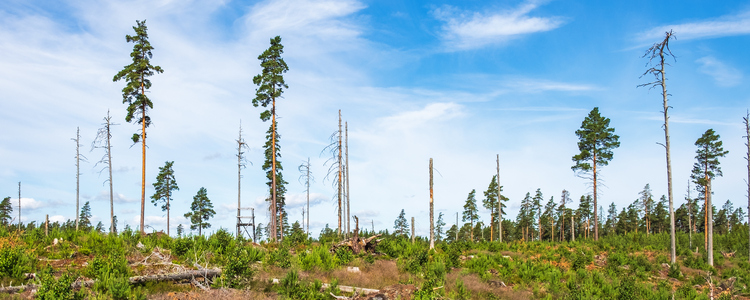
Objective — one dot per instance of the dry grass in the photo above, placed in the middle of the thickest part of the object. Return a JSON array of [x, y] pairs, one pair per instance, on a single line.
[[478, 287], [219, 294]]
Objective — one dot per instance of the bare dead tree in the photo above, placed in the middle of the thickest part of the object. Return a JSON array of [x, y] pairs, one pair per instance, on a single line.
[[659, 52], [346, 176], [19, 206], [241, 164], [432, 212], [747, 143], [335, 168], [304, 168], [77, 139], [103, 141]]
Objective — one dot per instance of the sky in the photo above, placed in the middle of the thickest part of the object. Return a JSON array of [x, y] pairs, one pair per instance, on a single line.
[[458, 82]]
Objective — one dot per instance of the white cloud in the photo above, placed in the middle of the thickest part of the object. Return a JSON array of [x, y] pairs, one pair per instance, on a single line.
[[317, 18], [29, 203], [463, 30], [541, 85], [433, 112], [116, 197], [295, 200], [722, 74], [57, 218], [724, 26]]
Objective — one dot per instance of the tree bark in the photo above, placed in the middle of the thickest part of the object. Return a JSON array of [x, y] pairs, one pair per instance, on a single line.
[[346, 176], [274, 219], [143, 157], [78, 173], [432, 216], [747, 143], [111, 190], [673, 251], [340, 174], [499, 204], [596, 215], [412, 230], [709, 211]]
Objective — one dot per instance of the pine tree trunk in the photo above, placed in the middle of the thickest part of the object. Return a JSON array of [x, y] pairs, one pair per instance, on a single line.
[[500, 206], [307, 184], [239, 180], [274, 219], [596, 215], [572, 229], [168, 192], [412, 230], [432, 222], [709, 211], [143, 158], [747, 143]]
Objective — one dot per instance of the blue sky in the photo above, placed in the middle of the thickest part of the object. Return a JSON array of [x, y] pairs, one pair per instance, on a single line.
[[456, 81]]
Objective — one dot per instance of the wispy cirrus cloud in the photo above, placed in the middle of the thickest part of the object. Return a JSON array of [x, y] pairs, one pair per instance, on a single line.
[[723, 74], [723, 26], [465, 30]]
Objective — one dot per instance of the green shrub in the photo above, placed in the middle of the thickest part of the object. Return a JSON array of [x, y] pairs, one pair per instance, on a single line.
[[181, 246], [628, 289], [14, 262], [674, 271], [280, 257], [237, 269], [56, 289], [344, 255], [101, 266], [114, 285]]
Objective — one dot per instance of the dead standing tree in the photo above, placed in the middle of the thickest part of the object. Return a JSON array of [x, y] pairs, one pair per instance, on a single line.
[[747, 143], [304, 168], [103, 141], [660, 51], [241, 164], [336, 167], [346, 175], [77, 139], [432, 212]]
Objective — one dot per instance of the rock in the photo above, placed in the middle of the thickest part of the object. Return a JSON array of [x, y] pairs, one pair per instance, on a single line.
[[139, 245], [353, 270]]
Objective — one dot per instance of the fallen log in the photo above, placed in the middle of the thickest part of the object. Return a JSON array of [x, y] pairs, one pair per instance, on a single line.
[[191, 274]]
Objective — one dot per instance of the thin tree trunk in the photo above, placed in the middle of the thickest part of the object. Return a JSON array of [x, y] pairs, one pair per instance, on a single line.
[[346, 163], [143, 157], [552, 235], [111, 190], [709, 210], [78, 173], [307, 184], [572, 229], [596, 215], [168, 192], [340, 174], [412, 230], [673, 250], [690, 219], [273, 171], [747, 143], [499, 204], [432, 219], [19, 205], [239, 179]]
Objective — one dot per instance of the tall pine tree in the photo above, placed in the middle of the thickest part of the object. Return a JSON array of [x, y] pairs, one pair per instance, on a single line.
[[271, 85], [705, 169], [136, 77], [490, 202], [595, 141]]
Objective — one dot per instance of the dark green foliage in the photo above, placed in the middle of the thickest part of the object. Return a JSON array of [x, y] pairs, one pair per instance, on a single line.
[[85, 217], [344, 255], [707, 156], [596, 141], [401, 226], [271, 81], [237, 270], [296, 235], [5, 210], [56, 289], [164, 186], [471, 213], [201, 211], [439, 227], [292, 287], [136, 77]]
